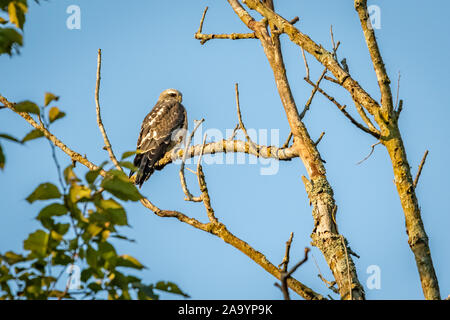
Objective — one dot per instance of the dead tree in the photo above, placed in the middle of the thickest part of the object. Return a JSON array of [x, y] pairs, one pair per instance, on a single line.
[[384, 113]]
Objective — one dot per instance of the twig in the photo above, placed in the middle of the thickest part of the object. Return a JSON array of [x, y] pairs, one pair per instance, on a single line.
[[371, 151], [189, 196], [330, 285], [335, 47], [306, 62], [313, 92], [241, 123], [365, 118], [416, 180], [398, 90], [288, 140], [332, 80], [202, 20], [206, 37], [46, 125], [285, 275], [342, 109], [320, 138], [204, 189], [233, 135], [294, 20], [399, 109], [99, 117], [285, 261]]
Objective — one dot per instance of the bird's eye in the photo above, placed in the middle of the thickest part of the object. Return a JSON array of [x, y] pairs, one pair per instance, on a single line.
[[172, 95]]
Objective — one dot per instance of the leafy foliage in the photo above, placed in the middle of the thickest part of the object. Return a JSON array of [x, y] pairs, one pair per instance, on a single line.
[[78, 222], [30, 107], [76, 229], [10, 37], [2, 154]]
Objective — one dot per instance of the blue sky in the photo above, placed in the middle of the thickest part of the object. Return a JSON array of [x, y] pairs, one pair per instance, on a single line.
[[148, 46]]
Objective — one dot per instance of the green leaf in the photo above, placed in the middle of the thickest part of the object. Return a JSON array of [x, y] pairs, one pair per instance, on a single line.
[[54, 209], [10, 138], [45, 191], [118, 184], [92, 175], [16, 11], [128, 261], [128, 154], [9, 39], [62, 228], [114, 211], [86, 274], [91, 257], [33, 134], [56, 237], [92, 230], [55, 114], [128, 165], [170, 287], [37, 243], [49, 97], [2, 158], [94, 286], [107, 251], [12, 257], [70, 176], [77, 193], [145, 291], [27, 106]]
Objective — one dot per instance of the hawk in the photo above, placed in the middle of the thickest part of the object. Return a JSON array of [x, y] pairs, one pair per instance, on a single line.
[[162, 129]]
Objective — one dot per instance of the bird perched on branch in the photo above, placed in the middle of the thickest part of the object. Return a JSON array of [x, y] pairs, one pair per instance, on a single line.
[[162, 130]]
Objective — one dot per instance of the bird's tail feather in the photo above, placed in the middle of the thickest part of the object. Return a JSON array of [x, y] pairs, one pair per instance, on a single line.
[[145, 170]]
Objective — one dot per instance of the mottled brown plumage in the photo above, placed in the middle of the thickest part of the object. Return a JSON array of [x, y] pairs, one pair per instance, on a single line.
[[161, 130]]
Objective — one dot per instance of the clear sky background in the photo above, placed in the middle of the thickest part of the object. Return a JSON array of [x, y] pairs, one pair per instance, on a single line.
[[148, 46]]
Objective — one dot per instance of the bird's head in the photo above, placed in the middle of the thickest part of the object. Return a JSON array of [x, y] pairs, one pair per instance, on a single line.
[[171, 94]]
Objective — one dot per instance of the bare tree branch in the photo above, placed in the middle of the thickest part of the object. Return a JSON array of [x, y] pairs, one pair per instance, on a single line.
[[189, 196], [416, 180], [313, 92], [232, 36], [306, 63], [371, 151], [99, 117], [378, 64], [320, 138], [285, 275], [241, 123], [204, 189], [284, 264], [366, 119], [323, 56], [288, 140], [342, 109]]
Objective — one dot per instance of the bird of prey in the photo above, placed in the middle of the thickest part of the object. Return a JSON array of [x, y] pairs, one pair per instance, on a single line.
[[162, 129]]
